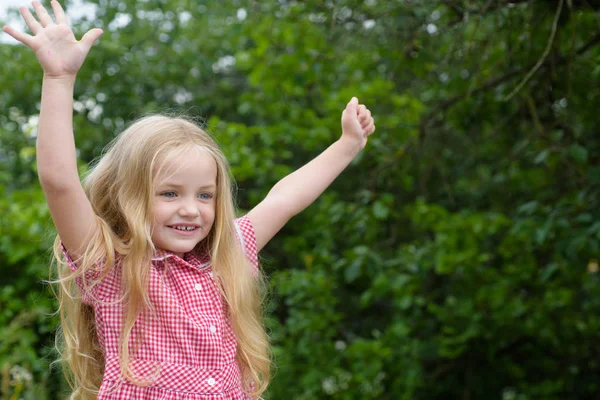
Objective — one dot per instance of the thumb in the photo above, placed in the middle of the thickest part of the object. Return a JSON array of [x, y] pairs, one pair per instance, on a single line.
[[91, 36], [352, 106], [350, 115]]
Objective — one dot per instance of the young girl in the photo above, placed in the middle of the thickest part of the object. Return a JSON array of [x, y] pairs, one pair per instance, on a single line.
[[159, 282]]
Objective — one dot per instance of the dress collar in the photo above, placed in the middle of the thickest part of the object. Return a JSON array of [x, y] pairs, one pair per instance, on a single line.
[[193, 260]]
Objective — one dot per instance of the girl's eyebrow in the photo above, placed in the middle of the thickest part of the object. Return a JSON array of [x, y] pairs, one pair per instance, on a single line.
[[179, 186]]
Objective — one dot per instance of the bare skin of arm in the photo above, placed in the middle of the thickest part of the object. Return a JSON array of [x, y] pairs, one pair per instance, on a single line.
[[61, 57], [301, 188]]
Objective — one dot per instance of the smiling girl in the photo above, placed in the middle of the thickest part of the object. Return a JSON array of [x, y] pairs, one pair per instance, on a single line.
[[159, 285]]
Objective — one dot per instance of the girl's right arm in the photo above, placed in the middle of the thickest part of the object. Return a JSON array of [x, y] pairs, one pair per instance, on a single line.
[[60, 56]]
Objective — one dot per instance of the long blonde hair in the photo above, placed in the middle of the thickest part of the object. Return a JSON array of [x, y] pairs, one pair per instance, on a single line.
[[120, 188]]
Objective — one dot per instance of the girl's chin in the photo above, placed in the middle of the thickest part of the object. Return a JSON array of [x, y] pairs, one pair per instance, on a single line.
[[178, 250]]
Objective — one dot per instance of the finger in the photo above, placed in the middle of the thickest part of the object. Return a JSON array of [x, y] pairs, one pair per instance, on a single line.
[[369, 129], [365, 122], [42, 14], [362, 109], [364, 116], [20, 36], [90, 37], [59, 13], [31, 22]]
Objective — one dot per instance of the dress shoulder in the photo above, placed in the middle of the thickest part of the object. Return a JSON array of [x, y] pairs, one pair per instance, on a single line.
[[247, 237], [95, 283]]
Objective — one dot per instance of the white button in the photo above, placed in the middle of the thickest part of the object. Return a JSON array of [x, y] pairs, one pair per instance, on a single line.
[[198, 286], [210, 381], [211, 274], [213, 329]]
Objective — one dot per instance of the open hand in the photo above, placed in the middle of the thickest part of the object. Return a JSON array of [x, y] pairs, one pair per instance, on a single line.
[[54, 44], [357, 123]]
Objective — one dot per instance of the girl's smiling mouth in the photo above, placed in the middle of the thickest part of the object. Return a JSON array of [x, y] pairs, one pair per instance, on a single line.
[[186, 230]]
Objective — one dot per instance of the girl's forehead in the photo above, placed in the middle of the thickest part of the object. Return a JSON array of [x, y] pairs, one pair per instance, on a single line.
[[176, 157], [195, 163]]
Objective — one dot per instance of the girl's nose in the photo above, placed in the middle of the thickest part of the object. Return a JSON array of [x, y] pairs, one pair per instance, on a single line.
[[189, 209]]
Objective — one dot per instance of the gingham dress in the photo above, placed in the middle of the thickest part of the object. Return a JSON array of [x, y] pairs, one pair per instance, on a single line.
[[188, 348]]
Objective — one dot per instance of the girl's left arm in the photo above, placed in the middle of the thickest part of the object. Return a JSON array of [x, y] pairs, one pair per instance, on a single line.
[[298, 190]]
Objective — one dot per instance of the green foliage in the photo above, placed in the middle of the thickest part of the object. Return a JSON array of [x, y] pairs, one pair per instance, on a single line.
[[457, 257]]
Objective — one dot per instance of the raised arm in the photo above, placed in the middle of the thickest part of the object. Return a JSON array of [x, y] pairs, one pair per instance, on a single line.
[[298, 190], [60, 56]]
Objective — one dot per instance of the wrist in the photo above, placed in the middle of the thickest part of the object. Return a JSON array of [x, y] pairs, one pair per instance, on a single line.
[[67, 78], [349, 146]]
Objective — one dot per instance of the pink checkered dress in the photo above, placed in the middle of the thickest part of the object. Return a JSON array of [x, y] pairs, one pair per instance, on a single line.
[[188, 348]]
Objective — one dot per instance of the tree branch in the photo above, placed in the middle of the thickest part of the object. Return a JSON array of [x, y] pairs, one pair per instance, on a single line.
[[492, 83], [544, 55]]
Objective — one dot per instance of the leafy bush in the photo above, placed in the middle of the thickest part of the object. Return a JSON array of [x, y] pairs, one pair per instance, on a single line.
[[457, 257]]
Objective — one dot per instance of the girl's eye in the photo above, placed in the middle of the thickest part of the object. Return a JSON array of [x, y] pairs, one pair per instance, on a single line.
[[205, 196], [168, 194]]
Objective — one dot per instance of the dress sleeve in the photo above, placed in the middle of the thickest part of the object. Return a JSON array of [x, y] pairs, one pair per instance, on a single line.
[[89, 282], [245, 233]]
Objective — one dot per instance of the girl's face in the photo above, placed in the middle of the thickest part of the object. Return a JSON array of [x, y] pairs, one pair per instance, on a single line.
[[184, 201]]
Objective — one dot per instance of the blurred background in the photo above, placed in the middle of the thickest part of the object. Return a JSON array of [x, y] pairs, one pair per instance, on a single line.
[[457, 257]]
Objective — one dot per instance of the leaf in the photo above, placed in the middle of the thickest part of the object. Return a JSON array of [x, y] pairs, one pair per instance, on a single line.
[[549, 271], [594, 175], [541, 234], [541, 157], [380, 210], [528, 208], [578, 153], [352, 271]]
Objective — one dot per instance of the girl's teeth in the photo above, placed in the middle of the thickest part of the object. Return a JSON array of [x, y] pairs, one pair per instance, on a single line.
[[184, 228]]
